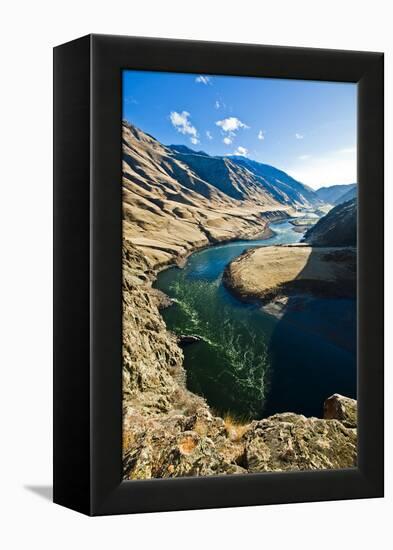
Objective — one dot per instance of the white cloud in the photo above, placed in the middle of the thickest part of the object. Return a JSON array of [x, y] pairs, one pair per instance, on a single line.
[[304, 157], [261, 135], [219, 104], [182, 124], [241, 151], [201, 79], [129, 100], [231, 124], [209, 135], [299, 136]]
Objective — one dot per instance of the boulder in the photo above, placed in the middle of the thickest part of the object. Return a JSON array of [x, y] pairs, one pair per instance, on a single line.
[[288, 442], [186, 339], [341, 408]]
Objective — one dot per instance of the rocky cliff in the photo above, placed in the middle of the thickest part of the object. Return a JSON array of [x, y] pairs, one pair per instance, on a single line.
[[170, 432], [337, 228], [175, 201]]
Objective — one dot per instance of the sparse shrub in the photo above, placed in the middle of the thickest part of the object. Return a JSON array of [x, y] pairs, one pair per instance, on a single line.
[[235, 428], [186, 402], [200, 428]]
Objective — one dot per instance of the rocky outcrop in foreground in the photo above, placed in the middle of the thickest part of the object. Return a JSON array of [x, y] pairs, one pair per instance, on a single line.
[[170, 432], [202, 444]]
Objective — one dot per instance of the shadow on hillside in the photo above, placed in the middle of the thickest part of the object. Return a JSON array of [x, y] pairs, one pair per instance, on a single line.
[[312, 349]]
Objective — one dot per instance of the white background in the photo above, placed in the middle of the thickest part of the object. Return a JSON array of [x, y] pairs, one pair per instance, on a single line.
[[29, 30]]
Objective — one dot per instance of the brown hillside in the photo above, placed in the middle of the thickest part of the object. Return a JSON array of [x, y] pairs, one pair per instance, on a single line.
[[173, 203]]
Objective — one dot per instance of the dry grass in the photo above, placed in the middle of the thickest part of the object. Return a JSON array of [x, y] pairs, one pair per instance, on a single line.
[[186, 402], [235, 428], [128, 440], [266, 271], [200, 428], [187, 445]]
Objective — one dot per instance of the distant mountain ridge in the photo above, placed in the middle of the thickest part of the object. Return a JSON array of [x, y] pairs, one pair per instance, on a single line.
[[352, 193], [282, 186], [186, 150], [176, 199], [336, 194]]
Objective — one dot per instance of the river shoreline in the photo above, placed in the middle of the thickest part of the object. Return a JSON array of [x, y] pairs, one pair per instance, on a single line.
[[204, 303], [163, 419], [181, 261], [247, 277], [176, 210]]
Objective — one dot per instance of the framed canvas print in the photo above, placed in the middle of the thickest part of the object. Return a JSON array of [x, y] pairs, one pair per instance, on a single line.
[[218, 275]]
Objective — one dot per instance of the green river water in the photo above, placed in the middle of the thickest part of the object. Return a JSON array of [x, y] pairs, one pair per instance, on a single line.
[[249, 363]]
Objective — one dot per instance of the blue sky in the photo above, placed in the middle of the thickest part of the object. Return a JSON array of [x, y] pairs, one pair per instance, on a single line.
[[305, 128]]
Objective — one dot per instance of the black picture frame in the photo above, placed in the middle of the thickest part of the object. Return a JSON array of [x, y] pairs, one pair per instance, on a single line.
[[87, 274]]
